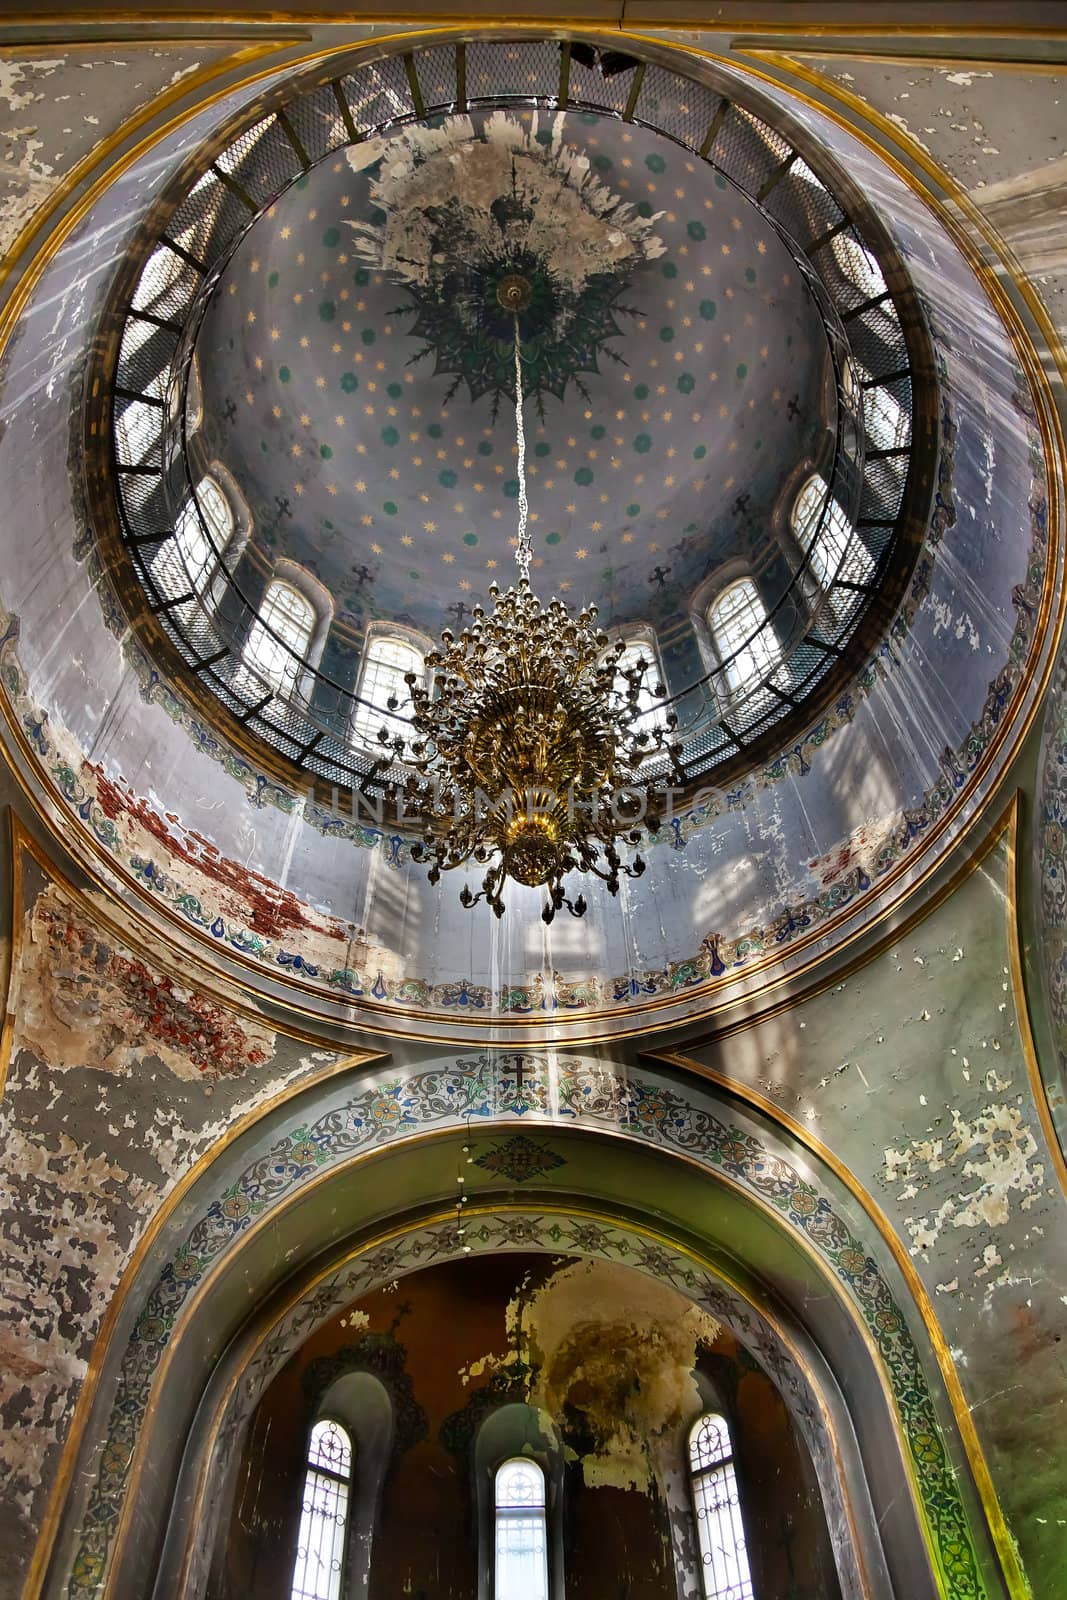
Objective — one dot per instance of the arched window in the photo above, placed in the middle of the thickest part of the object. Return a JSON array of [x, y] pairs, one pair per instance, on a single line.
[[888, 424], [320, 1549], [199, 549], [747, 648], [652, 711], [724, 1568], [827, 538], [521, 1562], [859, 266], [279, 639], [386, 659], [190, 560]]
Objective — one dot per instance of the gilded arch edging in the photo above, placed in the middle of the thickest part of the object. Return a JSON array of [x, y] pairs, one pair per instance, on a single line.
[[628, 1103]]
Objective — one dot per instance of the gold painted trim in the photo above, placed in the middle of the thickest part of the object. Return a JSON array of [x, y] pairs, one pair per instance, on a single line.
[[1018, 1585], [1036, 66], [1038, 1088], [14, 950], [728, 19], [43, 1549], [375, 1017]]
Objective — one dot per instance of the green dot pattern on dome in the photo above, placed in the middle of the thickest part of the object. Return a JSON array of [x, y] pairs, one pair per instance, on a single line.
[[358, 462]]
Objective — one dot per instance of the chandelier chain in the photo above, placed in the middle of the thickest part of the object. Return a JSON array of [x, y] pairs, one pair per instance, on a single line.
[[524, 548]]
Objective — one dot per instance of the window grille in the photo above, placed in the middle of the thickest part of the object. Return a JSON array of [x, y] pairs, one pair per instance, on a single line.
[[888, 424], [386, 659], [724, 1569], [279, 639], [323, 1515], [859, 266], [824, 531], [521, 1566], [746, 646], [652, 712], [199, 550]]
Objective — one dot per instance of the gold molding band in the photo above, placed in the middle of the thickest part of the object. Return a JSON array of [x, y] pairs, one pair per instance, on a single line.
[[1038, 1086]]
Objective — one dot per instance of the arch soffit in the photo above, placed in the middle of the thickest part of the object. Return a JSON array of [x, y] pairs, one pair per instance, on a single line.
[[371, 1118]]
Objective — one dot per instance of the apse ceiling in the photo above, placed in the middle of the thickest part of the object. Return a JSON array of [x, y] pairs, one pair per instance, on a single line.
[[395, 485]]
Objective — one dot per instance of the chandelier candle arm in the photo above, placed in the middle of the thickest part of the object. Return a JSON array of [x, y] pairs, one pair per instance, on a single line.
[[533, 750]]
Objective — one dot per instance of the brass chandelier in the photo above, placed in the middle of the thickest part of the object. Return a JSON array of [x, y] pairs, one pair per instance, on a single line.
[[528, 750]]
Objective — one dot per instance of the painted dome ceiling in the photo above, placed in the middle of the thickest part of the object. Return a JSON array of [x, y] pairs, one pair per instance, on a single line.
[[394, 485]]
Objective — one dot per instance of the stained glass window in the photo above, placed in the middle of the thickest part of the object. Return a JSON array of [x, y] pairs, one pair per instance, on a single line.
[[385, 661], [724, 1568], [521, 1567], [279, 640], [747, 647], [323, 1515]]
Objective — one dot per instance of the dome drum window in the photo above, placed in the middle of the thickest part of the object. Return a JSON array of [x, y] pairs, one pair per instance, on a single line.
[[318, 1573], [300, 712]]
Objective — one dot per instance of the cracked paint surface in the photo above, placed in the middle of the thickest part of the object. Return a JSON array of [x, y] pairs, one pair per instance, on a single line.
[[56, 106], [115, 1088], [912, 1071]]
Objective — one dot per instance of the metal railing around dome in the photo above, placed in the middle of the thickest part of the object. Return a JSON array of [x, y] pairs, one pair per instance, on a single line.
[[815, 619]]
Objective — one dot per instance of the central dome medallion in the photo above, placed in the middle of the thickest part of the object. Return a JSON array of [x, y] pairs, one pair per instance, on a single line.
[[359, 342]]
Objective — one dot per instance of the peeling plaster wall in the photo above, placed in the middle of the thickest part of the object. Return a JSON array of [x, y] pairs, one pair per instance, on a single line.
[[119, 1080], [56, 106], [913, 1073], [968, 118]]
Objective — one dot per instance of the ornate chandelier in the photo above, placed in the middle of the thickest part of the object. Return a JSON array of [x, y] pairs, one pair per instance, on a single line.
[[530, 751]]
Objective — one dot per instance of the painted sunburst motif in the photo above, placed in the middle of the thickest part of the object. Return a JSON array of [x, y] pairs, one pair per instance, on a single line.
[[463, 210]]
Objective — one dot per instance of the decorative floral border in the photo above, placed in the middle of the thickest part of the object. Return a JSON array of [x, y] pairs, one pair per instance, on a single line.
[[575, 1093]]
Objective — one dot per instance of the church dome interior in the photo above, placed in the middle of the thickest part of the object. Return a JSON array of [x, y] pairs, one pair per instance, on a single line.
[[532, 683]]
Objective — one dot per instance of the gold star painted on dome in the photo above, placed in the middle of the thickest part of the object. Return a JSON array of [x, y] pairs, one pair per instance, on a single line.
[[406, 539], [446, 555]]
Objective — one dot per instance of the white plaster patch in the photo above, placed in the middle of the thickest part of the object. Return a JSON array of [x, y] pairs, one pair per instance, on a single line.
[[994, 1153]]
